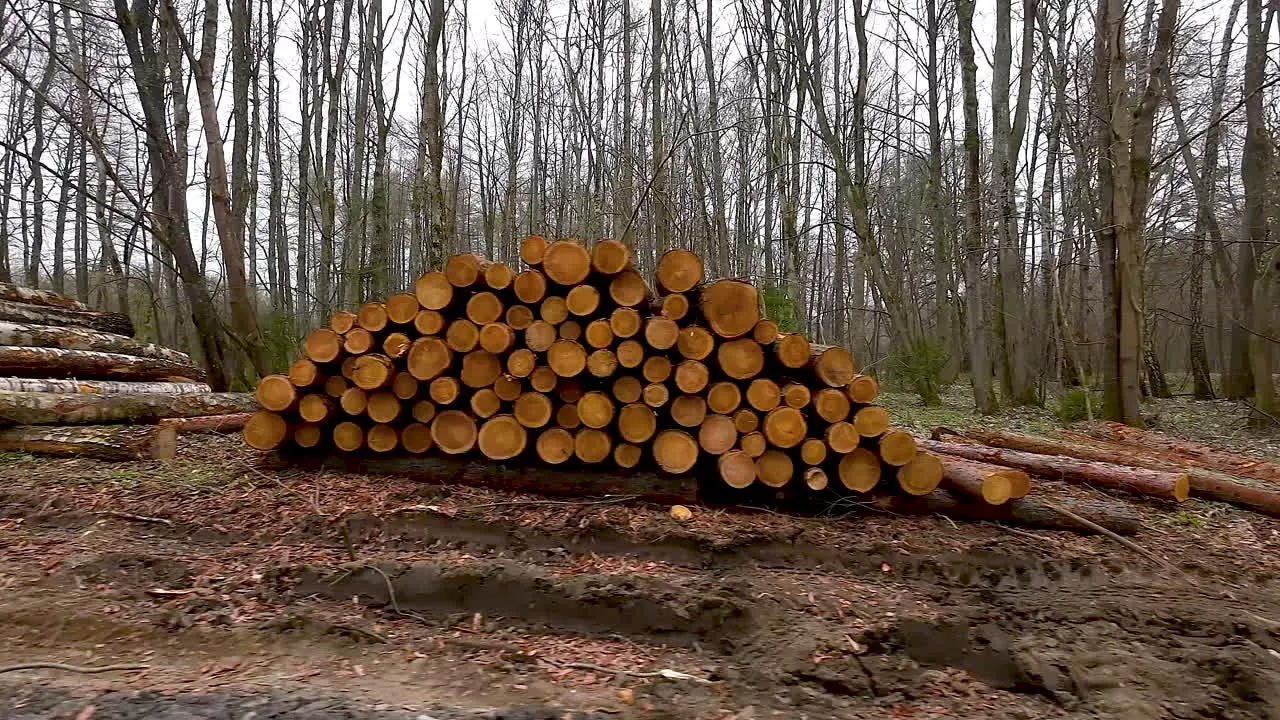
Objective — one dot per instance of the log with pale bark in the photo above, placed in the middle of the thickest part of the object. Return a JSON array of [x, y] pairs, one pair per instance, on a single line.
[[56, 362], [99, 442], [110, 322], [115, 387], [32, 296], [1141, 481], [75, 338], [39, 408]]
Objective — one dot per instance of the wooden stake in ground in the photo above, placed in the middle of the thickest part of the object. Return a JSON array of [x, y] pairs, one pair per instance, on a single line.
[[731, 308], [501, 438], [454, 432], [566, 262], [774, 468], [675, 451], [737, 469], [860, 470], [678, 271], [921, 474]]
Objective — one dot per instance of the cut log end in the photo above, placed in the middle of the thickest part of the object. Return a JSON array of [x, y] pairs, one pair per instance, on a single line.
[[599, 334], [348, 436], [627, 456], [464, 269], [402, 308], [860, 470], [498, 276], [265, 431], [276, 393], [382, 438], [831, 405], [764, 394], [582, 300], [462, 335], [484, 308], [741, 359], [502, 438], [731, 308], [625, 322], [688, 410], [610, 257], [785, 427], [675, 451], [815, 478], [433, 290], [554, 446], [532, 409], [792, 350], [661, 333], [871, 421], [372, 316], [746, 420], [796, 395], [415, 438], [428, 357], [691, 376], [862, 389], [737, 469], [566, 358], [480, 369], [717, 434], [322, 345], [897, 448], [532, 249], [679, 271], [454, 432], [723, 398], [637, 423], [554, 309], [920, 475], [774, 468], [530, 286], [833, 365], [628, 289], [695, 343], [591, 445], [566, 262], [813, 451]]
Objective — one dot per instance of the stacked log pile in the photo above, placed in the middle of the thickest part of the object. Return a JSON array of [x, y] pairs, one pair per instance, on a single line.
[[578, 361], [75, 382]]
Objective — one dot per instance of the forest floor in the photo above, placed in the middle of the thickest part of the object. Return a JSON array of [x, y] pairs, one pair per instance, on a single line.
[[253, 594]]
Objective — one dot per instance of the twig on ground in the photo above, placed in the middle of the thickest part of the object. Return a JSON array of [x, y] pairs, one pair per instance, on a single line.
[[88, 670], [137, 518], [391, 591], [1122, 540], [360, 631], [663, 673]]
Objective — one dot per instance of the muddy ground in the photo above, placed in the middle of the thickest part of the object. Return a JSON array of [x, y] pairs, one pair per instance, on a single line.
[[251, 594]]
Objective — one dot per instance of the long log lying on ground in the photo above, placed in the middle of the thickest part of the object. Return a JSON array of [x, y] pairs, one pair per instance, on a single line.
[[55, 362], [1205, 483], [515, 477], [32, 296], [101, 442], [1155, 483], [35, 408], [1117, 517], [1191, 452], [104, 321], [74, 338], [115, 387], [164, 444]]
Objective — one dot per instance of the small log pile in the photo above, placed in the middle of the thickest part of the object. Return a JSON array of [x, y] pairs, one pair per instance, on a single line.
[[75, 382]]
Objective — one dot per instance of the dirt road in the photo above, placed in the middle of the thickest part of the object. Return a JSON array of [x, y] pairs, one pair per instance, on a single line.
[[259, 594]]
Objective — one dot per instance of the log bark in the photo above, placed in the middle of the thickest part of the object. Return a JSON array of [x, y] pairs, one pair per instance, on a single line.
[[110, 322], [230, 422], [39, 385], [74, 338], [38, 408], [100, 442], [512, 477], [1191, 453], [43, 298], [1114, 516], [1155, 483], [56, 362]]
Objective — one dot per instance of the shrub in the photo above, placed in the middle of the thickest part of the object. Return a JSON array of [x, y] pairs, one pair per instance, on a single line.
[[1078, 404]]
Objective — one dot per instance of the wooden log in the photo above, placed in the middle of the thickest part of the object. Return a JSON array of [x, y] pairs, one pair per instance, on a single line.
[[464, 269], [532, 409], [304, 373], [480, 369], [39, 385], [484, 308], [610, 257], [203, 424], [382, 438], [813, 451], [896, 448], [871, 421], [497, 338], [673, 307], [372, 372], [519, 317], [423, 411], [543, 379], [462, 336], [383, 407], [348, 436], [567, 416], [316, 408], [832, 365], [1192, 453], [862, 389], [566, 358], [832, 405], [689, 410], [353, 401], [602, 363], [859, 470], [566, 262], [842, 437], [444, 390], [765, 332], [656, 395], [276, 393], [416, 438], [100, 442], [428, 322], [532, 249], [921, 474], [530, 287], [582, 300], [108, 322], [358, 341], [796, 395], [553, 309], [501, 438], [717, 435], [591, 445], [554, 446], [1155, 483], [637, 423], [627, 389], [815, 478], [1117, 517], [599, 334], [322, 345], [691, 377], [630, 354], [569, 330], [454, 432], [792, 350], [740, 359], [433, 290], [404, 386], [402, 308], [507, 388], [627, 456], [675, 451], [56, 362], [76, 338], [723, 398], [335, 385], [745, 420], [521, 362], [695, 343], [737, 469], [656, 369], [372, 316], [625, 322], [763, 394], [753, 444], [731, 308], [628, 289], [498, 276], [661, 333], [348, 366], [539, 336], [596, 410], [428, 357], [342, 321], [991, 484], [308, 435], [44, 298], [678, 271], [785, 427], [264, 431], [511, 476], [774, 468]]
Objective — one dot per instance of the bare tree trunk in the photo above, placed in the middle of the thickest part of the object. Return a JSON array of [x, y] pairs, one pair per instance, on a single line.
[[37, 155], [658, 136], [439, 220], [1258, 290]]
